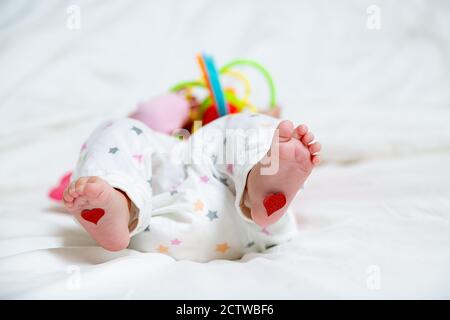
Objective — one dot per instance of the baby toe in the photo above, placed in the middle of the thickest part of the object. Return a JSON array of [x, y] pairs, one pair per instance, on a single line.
[[67, 198], [72, 190], [301, 130], [95, 179], [80, 184], [307, 138], [315, 160], [285, 130], [315, 147], [94, 189]]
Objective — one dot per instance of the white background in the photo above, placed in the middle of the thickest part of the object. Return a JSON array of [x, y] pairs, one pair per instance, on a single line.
[[377, 99]]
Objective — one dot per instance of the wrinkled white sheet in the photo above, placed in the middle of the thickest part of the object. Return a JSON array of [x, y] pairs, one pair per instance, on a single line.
[[374, 220]]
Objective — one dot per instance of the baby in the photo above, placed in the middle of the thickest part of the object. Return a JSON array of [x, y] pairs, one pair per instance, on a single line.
[[221, 193]]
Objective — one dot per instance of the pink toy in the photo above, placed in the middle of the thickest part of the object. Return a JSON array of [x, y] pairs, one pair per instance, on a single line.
[[164, 113], [56, 193]]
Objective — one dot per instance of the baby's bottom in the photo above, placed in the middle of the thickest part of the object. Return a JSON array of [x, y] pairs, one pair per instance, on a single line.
[[215, 205]]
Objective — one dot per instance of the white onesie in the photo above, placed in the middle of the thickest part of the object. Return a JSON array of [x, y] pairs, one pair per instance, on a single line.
[[187, 193]]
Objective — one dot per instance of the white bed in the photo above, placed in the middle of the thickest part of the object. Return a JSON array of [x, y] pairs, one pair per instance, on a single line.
[[374, 220]]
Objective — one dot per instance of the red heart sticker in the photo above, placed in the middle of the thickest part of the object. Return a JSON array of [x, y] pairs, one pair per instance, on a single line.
[[93, 215], [274, 202]]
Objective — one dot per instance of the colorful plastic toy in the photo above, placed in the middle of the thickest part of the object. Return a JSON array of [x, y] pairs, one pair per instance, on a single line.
[[221, 101]]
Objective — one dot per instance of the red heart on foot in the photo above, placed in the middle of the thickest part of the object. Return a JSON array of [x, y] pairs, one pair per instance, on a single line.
[[93, 215], [274, 202]]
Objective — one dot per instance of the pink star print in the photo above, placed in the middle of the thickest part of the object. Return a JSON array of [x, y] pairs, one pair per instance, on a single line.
[[230, 168], [175, 242], [265, 231], [204, 179], [138, 157], [107, 124]]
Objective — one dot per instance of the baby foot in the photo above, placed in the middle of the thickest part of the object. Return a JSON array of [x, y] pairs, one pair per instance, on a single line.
[[297, 156], [102, 210]]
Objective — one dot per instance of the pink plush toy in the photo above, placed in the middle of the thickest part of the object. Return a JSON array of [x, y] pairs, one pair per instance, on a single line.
[[56, 193], [164, 113]]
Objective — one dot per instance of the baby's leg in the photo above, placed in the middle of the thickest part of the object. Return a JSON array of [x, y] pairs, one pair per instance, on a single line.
[[102, 210], [110, 195], [295, 152], [278, 159]]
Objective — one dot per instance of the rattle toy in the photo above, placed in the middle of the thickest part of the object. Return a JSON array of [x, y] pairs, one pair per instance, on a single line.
[[221, 101]]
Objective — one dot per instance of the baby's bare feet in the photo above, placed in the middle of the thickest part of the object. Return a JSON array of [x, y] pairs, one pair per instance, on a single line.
[[297, 156], [102, 210]]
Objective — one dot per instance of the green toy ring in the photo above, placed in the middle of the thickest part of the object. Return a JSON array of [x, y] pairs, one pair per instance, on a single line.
[[261, 69], [187, 84], [239, 62]]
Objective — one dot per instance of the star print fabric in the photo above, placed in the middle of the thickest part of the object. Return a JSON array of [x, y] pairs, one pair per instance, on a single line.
[[187, 194]]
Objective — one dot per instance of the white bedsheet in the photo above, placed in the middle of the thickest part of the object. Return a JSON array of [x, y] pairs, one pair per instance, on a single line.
[[374, 220]]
